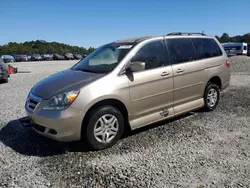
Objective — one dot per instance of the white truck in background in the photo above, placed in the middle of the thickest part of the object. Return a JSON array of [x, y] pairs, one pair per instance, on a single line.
[[237, 48]]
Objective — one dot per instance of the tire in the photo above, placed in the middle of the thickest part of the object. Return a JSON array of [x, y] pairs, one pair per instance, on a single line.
[[210, 103], [6, 80], [93, 132]]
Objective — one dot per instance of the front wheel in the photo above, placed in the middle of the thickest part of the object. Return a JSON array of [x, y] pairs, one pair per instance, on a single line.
[[104, 127], [6, 80], [211, 97]]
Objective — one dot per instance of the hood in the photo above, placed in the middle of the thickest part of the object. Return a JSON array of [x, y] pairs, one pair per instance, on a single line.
[[67, 80]]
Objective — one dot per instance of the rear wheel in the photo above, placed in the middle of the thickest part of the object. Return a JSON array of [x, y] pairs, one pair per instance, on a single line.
[[104, 127], [211, 97]]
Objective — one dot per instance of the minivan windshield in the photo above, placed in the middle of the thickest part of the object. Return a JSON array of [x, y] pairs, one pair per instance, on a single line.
[[104, 59]]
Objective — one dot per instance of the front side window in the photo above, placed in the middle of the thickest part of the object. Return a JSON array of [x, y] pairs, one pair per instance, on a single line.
[[153, 54], [182, 50], [104, 59], [245, 48]]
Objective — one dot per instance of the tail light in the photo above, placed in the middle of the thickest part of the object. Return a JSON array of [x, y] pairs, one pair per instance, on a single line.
[[228, 64]]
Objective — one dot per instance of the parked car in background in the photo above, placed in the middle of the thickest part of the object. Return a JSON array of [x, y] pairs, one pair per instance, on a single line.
[[248, 49], [77, 56], [69, 56], [36, 57], [16, 57], [230, 51], [47, 57], [4, 74], [29, 57], [148, 86], [239, 48], [20, 58], [8, 58], [58, 57]]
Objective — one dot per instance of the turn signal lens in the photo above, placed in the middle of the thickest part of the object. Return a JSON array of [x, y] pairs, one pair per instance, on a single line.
[[72, 98]]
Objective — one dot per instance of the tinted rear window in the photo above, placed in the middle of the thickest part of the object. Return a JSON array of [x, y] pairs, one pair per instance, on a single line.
[[182, 50], [206, 48]]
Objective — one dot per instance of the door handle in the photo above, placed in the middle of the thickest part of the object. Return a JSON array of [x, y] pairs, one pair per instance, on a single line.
[[165, 73], [180, 70]]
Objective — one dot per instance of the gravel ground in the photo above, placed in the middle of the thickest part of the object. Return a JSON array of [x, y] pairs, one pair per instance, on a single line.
[[196, 150]]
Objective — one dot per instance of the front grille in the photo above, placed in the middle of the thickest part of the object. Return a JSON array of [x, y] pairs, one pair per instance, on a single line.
[[32, 104], [33, 101]]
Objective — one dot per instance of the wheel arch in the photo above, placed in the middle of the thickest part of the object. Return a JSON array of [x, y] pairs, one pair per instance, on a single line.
[[107, 102], [216, 80]]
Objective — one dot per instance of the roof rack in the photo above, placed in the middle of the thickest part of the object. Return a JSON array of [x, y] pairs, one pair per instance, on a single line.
[[133, 40], [181, 33]]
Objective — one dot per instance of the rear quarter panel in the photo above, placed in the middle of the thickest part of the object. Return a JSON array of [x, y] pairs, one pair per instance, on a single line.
[[217, 67]]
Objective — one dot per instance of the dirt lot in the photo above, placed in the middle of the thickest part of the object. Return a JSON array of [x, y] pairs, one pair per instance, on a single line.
[[196, 150]]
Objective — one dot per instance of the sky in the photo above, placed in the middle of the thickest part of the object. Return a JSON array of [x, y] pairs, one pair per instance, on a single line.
[[95, 22]]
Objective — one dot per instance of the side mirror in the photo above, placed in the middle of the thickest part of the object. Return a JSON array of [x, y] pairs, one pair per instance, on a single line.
[[137, 66]]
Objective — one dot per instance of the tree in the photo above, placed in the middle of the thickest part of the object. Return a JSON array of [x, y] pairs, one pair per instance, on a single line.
[[217, 37], [246, 38], [41, 47], [224, 38], [238, 38]]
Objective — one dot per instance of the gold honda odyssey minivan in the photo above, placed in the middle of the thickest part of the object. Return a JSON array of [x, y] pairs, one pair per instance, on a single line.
[[128, 84]]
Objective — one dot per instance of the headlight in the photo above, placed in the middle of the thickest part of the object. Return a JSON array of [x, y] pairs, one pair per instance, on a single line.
[[61, 101]]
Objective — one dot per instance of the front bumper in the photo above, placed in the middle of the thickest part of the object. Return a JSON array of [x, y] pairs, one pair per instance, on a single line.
[[63, 126]]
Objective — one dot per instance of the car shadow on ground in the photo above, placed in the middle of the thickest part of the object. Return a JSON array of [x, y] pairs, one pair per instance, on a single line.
[[27, 142]]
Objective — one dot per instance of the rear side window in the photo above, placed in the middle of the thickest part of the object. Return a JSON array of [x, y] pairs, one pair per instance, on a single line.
[[206, 48], [182, 50], [245, 48]]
